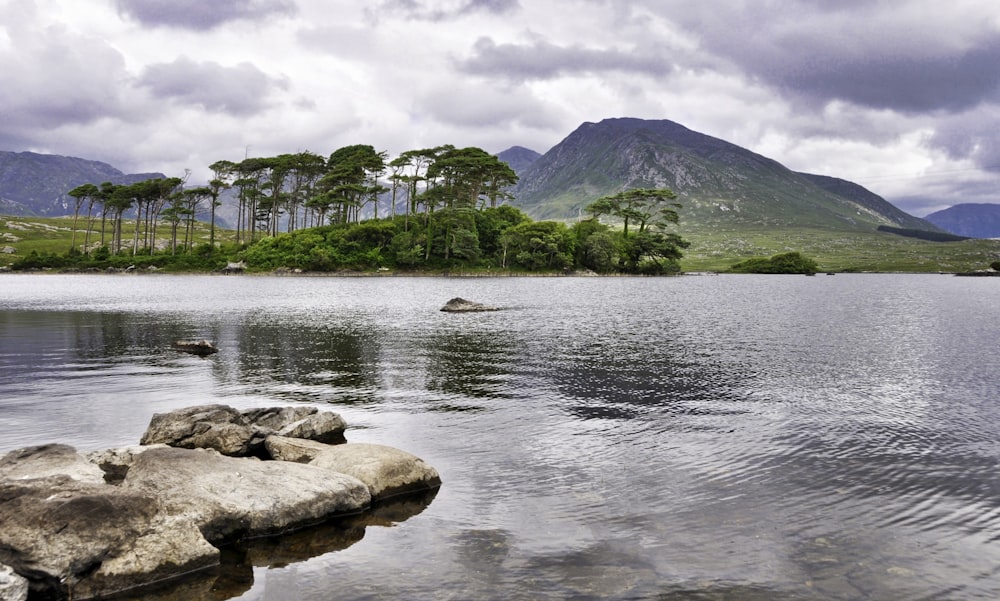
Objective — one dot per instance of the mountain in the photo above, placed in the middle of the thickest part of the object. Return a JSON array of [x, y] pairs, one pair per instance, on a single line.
[[970, 219], [36, 184], [519, 158], [718, 183]]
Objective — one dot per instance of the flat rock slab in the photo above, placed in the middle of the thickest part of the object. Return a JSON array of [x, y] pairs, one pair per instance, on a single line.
[[48, 460], [231, 498], [386, 471], [87, 540], [460, 305]]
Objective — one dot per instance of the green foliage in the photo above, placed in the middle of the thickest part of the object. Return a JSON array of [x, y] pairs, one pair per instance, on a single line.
[[995, 265], [650, 249], [790, 263], [539, 245]]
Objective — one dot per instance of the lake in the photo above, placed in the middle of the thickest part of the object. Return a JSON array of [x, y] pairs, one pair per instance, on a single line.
[[699, 437]]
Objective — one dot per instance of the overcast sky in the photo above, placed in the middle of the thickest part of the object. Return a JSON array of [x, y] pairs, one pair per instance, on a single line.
[[902, 97]]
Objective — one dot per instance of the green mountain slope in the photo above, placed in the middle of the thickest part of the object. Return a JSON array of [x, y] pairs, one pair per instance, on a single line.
[[718, 183]]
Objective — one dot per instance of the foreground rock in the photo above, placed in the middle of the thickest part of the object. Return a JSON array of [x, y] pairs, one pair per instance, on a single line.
[[231, 498], [87, 527], [81, 540], [48, 460], [240, 434], [386, 471], [460, 305]]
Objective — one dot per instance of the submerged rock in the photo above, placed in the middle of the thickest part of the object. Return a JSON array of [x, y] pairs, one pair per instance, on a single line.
[[460, 305]]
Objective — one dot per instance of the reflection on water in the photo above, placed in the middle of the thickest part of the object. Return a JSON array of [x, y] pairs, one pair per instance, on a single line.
[[724, 438]]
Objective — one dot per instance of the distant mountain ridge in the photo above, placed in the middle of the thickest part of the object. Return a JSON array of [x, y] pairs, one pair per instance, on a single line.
[[519, 158], [718, 183], [976, 220], [37, 184]]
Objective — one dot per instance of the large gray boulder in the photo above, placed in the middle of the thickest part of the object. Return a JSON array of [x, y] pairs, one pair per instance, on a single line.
[[298, 422], [240, 434], [216, 427], [386, 471], [231, 498], [48, 460], [84, 540], [12, 586]]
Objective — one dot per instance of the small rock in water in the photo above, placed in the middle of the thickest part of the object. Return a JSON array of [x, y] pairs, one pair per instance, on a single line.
[[196, 347], [460, 305]]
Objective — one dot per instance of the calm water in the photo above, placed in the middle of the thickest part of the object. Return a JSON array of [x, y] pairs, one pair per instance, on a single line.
[[731, 438]]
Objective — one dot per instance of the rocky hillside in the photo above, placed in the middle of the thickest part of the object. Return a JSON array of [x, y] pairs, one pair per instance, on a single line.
[[36, 184], [970, 219], [718, 183]]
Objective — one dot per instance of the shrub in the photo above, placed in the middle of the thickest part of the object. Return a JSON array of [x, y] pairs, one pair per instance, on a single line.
[[792, 262]]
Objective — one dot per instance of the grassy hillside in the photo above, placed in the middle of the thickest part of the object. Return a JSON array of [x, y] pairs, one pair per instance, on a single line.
[[714, 249], [55, 234], [717, 249]]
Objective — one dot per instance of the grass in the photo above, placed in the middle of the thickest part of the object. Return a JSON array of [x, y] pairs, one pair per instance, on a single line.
[[712, 249], [55, 235], [718, 249]]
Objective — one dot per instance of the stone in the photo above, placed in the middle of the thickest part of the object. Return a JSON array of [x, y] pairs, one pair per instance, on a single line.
[[241, 434], [49, 460], [232, 498], [196, 347], [238, 267], [202, 427], [386, 471], [12, 586], [115, 463], [460, 305], [84, 540], [299, 422]]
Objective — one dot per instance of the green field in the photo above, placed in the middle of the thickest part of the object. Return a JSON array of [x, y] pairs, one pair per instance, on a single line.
[[54, 235], [711, 249], [717, 249]]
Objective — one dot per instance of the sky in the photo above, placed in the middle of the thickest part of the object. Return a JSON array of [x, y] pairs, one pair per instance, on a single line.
[[902, 97]]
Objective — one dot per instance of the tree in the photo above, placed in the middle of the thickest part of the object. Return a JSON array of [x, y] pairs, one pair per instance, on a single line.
[[538, 245], [81, 194], [791, 263], [650, 249], [643, 206], [222, 176]]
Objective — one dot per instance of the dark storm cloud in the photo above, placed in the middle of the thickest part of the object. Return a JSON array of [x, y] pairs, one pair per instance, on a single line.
[[883, 56], [542, 60], [241, 90], [201, 15]]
